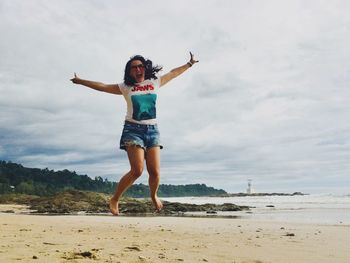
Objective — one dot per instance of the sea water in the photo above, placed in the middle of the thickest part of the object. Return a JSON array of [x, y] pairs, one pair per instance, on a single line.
[[318, 209]]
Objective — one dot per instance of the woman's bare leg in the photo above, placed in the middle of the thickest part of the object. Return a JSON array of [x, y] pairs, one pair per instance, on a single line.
[[153, 168], [136, 157]]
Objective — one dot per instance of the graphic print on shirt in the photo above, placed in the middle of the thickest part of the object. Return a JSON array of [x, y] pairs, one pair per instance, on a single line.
[[144, 106]]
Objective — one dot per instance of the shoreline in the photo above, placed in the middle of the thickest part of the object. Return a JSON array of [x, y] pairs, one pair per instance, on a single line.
[[317, 216], [42, 238]]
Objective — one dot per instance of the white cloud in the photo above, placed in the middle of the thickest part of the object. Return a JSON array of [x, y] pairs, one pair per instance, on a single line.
[[267, 101]]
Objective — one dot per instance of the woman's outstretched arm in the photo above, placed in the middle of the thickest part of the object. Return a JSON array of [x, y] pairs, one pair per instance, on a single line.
[[110, 88], [177, 71]]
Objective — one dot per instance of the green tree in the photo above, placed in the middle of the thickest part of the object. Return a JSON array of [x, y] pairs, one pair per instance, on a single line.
[[25, 188]]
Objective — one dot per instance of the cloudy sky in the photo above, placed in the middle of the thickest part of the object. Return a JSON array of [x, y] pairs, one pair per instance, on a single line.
[[268, 101]]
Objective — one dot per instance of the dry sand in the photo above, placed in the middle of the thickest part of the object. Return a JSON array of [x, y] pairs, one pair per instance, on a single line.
[[34, 238]]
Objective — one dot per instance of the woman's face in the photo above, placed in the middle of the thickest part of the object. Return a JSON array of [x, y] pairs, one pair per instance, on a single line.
[[137, 71]]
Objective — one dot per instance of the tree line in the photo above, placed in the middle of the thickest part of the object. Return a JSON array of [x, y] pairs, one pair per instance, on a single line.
[[14, 178]]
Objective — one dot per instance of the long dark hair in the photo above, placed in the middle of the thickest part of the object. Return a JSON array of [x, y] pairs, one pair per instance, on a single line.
[[150, 70]]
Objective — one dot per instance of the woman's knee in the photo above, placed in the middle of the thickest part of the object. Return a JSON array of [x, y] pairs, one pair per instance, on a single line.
[[153, 171], [136, 171]]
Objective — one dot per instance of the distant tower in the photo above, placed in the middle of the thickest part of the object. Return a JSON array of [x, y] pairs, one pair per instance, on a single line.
[[250, 189]]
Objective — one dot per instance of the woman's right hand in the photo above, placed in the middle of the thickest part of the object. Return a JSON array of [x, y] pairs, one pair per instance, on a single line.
[[76, 79]]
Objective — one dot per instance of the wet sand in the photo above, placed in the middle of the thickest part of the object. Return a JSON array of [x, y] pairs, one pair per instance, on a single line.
[[34, 238]]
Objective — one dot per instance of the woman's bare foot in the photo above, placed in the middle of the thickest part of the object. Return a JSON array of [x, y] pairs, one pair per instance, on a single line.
[[157, 203], [114, 206]]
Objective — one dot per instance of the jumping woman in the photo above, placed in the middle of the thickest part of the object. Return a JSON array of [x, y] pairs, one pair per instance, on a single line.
[[140, 136]]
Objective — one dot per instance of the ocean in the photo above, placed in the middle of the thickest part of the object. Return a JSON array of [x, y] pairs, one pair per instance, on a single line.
[[317, 209]]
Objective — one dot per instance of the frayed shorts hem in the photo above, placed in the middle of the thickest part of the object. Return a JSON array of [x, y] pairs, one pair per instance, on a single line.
[[124, 147], [143, 136]]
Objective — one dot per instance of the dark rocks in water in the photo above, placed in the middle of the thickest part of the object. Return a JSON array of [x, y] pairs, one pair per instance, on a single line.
[[298, 193], [270, 206], [181, 207], [232, 207], [71, 201], [211, 212], [74, 201], [261, 194], [8, 211]]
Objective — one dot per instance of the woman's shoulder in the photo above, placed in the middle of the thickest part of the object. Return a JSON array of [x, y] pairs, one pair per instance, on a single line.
[[155, 80]]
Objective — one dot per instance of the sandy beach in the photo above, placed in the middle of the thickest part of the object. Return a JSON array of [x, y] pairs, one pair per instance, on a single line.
[[37, 238]]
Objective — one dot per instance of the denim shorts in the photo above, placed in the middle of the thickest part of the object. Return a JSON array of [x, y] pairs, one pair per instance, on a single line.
[[144, 136]]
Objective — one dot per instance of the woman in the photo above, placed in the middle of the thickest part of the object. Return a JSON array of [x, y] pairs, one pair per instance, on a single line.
[[140, 137]]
